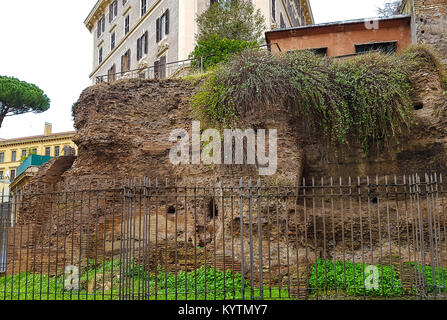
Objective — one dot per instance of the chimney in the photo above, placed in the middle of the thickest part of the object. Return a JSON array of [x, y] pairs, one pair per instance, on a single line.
[[47, 130]]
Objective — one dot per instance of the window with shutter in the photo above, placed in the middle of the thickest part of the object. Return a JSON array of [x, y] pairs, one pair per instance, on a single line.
[[158, 30], [146, 41], [274, 10], [127, 25], [162, 67], [156, 69], [139, 49], [143, 7], [167, 21], [128, 59], [112, 41], [113, 10], [99, 28]]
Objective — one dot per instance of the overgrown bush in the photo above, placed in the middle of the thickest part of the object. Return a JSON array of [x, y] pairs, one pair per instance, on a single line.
[[215, 50], [365, 99], [424, 55]]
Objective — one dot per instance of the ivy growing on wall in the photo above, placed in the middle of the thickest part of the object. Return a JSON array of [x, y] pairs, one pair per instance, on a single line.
[[364, 99]]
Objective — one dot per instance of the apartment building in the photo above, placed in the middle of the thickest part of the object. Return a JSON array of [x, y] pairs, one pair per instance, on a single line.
[[150, 36], [12, 151]]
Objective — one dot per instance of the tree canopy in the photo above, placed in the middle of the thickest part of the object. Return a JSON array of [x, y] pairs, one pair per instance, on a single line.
[[231, 19], [19, 97], [389, 8]]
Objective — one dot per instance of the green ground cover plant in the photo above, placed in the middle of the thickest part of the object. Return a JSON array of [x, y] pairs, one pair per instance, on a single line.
[[349, 278], [158, 286]]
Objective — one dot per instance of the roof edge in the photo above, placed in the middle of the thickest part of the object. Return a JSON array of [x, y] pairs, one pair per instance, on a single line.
[[335, 23]]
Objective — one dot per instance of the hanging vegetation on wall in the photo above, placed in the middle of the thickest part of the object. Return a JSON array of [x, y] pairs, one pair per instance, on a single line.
[[364, 99]]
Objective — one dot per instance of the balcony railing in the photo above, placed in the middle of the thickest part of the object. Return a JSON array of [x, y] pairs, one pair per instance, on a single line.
[[162, 71]]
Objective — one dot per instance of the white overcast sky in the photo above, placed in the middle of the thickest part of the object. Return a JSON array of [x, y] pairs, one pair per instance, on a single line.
[[46, 43]]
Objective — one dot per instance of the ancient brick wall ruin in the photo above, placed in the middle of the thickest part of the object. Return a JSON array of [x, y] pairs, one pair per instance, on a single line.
[[431, 23]]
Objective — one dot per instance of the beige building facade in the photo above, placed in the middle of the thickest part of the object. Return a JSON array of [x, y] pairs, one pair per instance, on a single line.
[[12, 151], [150, 35]]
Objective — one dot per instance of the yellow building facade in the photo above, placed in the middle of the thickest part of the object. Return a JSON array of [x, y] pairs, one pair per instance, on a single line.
[[12, 151]]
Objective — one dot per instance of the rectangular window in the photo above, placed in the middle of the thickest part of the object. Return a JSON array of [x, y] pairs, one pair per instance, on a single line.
[[384, 47], [127, 24], [23, 153], [100, 55], [274, 10], [113, 10], [101, 25], [143, 7], [125, 61], [57, 151], [14, 156], [162, 25], [112, 73], [13, 175], [34, 151], [112, 41], [48, 151], [142, 46], [160, 68], [2, 157], [1, 175]]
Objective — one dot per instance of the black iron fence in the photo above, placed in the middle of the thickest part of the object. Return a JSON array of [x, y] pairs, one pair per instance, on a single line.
[[362, 238]]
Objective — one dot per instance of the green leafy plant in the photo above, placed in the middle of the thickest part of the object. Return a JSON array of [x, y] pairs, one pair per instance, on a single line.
[[213, 50], [238, 20], [327, 275]]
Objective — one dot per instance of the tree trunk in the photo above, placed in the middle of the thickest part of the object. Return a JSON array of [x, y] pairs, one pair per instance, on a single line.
[[4, 109]]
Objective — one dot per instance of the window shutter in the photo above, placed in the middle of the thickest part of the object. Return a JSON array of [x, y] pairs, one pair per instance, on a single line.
[[128, 59], [99, 28], [162, 67], [146, 38], [122, 63], [110, 12], [158, 30], [167, 21], [139, 49], [156, 75]]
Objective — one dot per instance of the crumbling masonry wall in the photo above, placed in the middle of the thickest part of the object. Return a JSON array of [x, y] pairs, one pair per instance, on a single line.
[[431, 23]]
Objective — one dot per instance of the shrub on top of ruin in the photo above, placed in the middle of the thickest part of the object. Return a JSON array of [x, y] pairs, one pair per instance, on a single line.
[[423, 56], [244, 83], [376, 91], [209, 52], [365, 99]]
